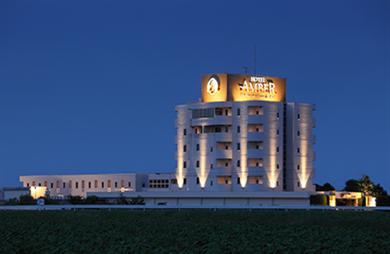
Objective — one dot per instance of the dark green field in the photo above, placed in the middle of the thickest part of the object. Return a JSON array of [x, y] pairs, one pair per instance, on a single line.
[[194, 231]]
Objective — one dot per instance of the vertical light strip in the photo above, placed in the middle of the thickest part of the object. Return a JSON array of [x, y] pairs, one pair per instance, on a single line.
[[180, 174], [272, 171], [303, 172], [243, 171], [303, 125], [202, 171]]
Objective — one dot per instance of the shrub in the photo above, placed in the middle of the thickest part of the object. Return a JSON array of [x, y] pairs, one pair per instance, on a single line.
[[91, 200], [383, 201], [137, 201], [26, 200], [319, 200], [76, 200]]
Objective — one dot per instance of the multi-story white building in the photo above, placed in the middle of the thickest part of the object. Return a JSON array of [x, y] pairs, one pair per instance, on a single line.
[[242, 137]]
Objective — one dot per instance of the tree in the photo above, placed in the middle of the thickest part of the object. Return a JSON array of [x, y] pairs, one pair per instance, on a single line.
[[328, 187], [26, 200], [325, 187], [366, 185], [378, 191], [352, 185]]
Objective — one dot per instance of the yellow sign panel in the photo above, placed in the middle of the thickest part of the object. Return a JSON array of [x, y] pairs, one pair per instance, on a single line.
[[227, 87]]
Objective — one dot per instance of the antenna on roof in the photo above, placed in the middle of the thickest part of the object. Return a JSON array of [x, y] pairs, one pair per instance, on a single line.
[[254, 59]]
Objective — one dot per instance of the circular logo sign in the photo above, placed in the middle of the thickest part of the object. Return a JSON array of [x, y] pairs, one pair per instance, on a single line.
[[213, 86]]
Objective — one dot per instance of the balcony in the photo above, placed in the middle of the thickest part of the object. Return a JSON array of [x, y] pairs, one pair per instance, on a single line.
[[256, 119], [222, 136], [255, 153], [255, 136], [217, 120], [223, 154], [221, 171]]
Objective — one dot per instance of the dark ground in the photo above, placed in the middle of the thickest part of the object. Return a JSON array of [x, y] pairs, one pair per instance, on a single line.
[[194, 231]]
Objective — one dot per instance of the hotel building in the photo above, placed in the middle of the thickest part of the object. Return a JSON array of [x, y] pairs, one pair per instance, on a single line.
[[243, 142]]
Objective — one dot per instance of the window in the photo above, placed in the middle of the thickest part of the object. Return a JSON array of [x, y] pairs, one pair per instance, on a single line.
[[102, 184], [238, 129], [211, 183], [277, 166], [218, 111], [226, 147], [96, 184], [277, 132], [277, 149], [77, 185], [116, 184], [185, 181], [39, 184], [298, 184], [226, 112], [28, 184], [226, 129], [89, 185], [298, 167], [277, 115], [298, 133], [226, 164], [143, 185], [211, 165], [197, 164], [129, 184], [184, 132], [298, 150], [52, 185], [206, 112], [197, 180], [238, 163], [63, 185], [238, 180], [238, 112], [238, 146], [184, 148], [197, 147], [211, 149], [108, 183], [184, 164], [299, 116]]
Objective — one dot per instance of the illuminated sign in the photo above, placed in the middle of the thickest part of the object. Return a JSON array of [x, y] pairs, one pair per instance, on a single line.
[[229, 87], [213, 86]]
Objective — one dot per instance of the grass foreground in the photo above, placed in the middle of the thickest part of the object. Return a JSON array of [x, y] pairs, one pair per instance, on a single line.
[[194, 231]]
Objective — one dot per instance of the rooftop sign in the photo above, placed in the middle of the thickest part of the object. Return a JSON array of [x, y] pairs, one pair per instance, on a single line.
[[229, 87]]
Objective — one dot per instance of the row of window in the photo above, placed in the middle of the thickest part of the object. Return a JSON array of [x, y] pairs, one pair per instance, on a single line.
[[211, 112], [238, 163], [82, 185], [227, 147]]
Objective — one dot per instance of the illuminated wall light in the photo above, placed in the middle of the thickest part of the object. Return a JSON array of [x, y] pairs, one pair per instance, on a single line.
[[243, 170], [303, 173], [180, 172], [272, 172], [202, 171], [38, 191]]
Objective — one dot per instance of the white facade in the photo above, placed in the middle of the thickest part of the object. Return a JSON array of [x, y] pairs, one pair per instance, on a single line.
[[245, 146], [243, 137], [78, 185]]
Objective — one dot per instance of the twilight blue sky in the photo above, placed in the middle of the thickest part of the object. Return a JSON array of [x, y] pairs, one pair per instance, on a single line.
[[91, 86]]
